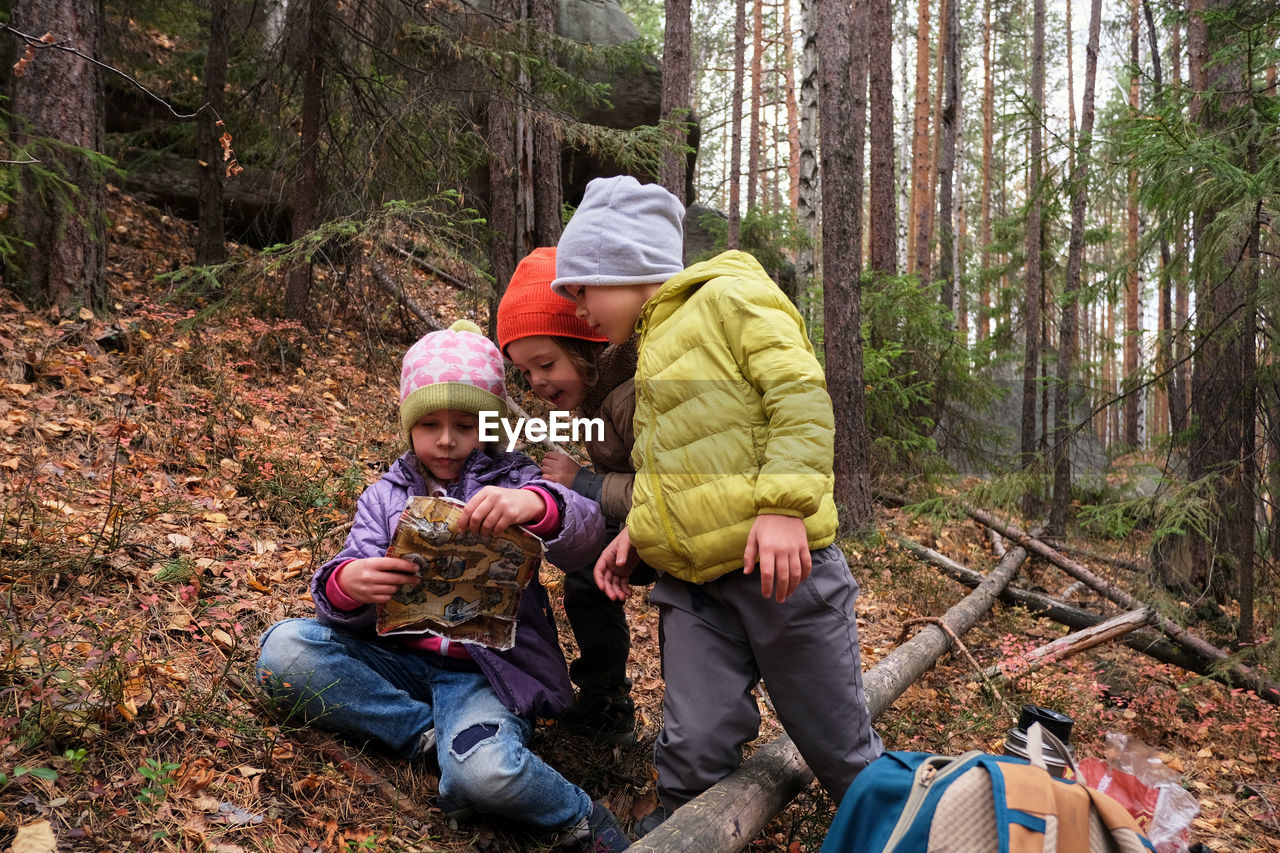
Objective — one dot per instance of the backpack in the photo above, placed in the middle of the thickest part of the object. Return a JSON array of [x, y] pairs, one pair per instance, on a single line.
[[917, 801]]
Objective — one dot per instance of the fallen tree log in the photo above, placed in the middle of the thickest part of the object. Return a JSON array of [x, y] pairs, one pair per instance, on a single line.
[[1118, 562], [1241, 674], [726, 817], [1072, 644], [1149, 643]]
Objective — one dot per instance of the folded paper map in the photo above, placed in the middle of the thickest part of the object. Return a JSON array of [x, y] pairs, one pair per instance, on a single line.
[[470, 583]]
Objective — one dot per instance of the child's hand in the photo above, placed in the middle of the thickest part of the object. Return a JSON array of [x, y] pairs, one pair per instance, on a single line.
[[615, 566], [373, 580], [493, 509], [559, 468], [782, 545]]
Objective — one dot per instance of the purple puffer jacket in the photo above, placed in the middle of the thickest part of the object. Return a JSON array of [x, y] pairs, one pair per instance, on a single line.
[[531, 677]]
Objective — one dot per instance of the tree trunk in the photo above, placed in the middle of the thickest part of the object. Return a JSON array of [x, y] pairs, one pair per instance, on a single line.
[[548, 199], [793, 111], [949, 121], [677, 76], [883, 221], [211, 240], [1067, 343], [1132, 331], [807, 192], [841, 105], [1224, 310], [754, 143], [733, 238], [59, 96], [988, 146], [307, 194], [920, 143], [1034, 281]]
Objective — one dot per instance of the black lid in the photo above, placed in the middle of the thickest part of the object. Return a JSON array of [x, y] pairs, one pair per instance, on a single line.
[[1059, 724]]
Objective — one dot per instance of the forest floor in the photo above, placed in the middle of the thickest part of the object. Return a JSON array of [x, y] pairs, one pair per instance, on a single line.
[[172, 473]]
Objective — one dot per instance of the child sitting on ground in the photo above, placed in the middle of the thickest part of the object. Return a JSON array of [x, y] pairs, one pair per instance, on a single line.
[[568, 365], [474, 706], [734, 445]]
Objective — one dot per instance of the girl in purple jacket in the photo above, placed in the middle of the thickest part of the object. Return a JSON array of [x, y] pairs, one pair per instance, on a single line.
[[411, 693]]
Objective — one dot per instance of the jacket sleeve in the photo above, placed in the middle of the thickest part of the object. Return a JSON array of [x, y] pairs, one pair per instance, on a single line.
[[767, 339], [369, 537], [618, 412], [581, 537]]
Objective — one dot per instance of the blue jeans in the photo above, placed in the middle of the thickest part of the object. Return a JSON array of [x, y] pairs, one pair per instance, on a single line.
[[343, 682]]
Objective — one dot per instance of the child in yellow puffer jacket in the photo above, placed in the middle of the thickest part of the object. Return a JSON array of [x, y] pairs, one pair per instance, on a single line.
[[733, 454]]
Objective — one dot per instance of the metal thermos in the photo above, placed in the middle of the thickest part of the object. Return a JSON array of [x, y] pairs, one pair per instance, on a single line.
[[1015, 743]]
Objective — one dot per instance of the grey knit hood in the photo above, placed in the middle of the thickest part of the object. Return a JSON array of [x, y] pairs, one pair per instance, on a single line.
[[624, 232]]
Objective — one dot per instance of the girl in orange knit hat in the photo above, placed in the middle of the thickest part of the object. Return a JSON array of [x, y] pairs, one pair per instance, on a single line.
[[568, 364]]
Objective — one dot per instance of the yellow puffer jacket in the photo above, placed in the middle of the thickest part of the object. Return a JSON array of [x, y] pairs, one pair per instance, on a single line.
[[732, 420]]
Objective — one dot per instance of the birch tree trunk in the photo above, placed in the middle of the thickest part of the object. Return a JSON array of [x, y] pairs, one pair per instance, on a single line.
[[1132, 332], [1034, 278], [733, 239], [988, 134]]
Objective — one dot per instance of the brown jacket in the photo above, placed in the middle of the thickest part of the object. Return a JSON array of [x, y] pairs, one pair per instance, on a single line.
[[613, 400]]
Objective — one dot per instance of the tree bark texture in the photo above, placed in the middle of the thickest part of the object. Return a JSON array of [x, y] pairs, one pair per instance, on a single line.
[[840, 103], [307, 192], [59, 97], [808, 203], [733, 238], [1034, 275], [677, 81], [988, 149], [1220, 410], [211, 245], [755, 142], [948, 126], [882, 220], [545, 177], [1067, 337], [1132, 331], [920, 142], [793, 109]]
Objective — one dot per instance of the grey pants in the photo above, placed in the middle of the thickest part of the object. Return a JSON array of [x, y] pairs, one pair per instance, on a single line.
[[720, 638]]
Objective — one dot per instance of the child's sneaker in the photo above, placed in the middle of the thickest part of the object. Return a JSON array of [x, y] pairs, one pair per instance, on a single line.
[[610, 717], [598, 832]]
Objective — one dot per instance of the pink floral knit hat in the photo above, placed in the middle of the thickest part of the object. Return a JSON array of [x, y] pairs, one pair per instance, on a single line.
[[457, 368]]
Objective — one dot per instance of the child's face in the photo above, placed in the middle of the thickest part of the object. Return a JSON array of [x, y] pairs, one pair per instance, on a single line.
[[444, 439], [550, 372], [613, 309]]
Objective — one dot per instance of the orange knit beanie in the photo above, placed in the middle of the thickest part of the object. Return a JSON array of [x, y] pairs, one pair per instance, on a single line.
[[530, 308]]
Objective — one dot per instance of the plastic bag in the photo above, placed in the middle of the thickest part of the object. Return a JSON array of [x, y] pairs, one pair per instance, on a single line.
[[1134, 776]]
